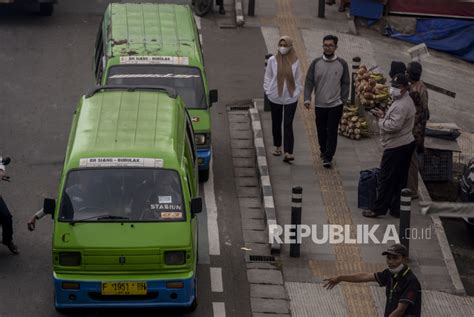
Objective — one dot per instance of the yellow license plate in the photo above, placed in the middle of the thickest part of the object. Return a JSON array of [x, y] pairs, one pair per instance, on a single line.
[[124, 288]]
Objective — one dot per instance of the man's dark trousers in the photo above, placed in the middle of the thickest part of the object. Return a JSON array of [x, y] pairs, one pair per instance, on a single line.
[[393, 178], [6, 222], [285, 113], [327, 123]]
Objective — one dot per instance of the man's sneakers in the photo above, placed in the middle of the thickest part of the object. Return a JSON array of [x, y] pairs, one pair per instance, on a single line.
[[12, 247], [327, 163]]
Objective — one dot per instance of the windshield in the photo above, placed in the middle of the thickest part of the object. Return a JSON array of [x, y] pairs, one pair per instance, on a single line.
[[186, 80], [122, 194]]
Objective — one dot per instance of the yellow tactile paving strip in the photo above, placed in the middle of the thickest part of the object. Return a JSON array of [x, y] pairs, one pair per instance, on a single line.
[[358, 297]]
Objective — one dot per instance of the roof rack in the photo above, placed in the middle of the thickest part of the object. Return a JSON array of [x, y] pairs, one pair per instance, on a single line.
[[172, 93]]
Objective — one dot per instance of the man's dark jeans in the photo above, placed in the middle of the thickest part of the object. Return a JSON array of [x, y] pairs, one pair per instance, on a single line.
[[393, 178], [327, 122], [6, 222]]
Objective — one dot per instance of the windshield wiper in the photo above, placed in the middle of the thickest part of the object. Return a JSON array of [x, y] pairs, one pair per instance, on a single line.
[[99, 217]]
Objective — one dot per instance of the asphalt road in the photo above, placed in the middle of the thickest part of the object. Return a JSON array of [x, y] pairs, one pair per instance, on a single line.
[[46, 65]]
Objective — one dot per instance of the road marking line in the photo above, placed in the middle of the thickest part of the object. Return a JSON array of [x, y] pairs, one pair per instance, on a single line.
[[218, 309], [211, 207], [216, 279]]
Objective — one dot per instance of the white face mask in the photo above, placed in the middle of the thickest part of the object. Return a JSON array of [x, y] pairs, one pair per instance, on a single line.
[[397, 269], [395, 92], [283, 50]]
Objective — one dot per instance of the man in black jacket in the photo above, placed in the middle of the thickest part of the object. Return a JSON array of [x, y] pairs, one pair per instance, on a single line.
[[402, 288], [6, 221]]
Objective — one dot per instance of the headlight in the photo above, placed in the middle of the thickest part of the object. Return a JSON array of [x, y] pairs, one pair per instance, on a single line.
[[200, 139], [175, 258], [69, 258]]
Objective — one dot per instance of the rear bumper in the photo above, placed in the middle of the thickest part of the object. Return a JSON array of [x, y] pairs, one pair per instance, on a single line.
[[204, 158], [158, 295]]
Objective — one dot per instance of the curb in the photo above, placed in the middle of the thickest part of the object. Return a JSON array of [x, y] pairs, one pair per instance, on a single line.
[[263, 174], [239, 13], [448, 257]]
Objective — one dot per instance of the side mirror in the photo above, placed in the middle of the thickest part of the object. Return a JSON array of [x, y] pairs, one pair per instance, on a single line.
[[213, 96], [196, 205], [49, 206]]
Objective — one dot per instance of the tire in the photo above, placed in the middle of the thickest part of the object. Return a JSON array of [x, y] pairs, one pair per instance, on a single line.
[[202, 7], [204, 176], [46, 9]]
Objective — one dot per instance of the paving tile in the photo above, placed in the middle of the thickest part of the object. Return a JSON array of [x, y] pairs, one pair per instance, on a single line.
[[255, 236], [269, 305], [245, 153], [252, 213], [250, 203], [246, 181], [267, 291], [245, 172], [258, 276], [244, 162], [253, 224], [250, 192], [257, 248]]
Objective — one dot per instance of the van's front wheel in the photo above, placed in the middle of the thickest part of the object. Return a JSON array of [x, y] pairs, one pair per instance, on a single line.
[[46, 9], [202, 7], [204, 176]]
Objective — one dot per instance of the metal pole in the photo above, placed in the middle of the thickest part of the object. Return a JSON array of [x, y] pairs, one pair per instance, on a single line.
[[266, 102], [296, 203], [321, 8], [251, 11], [355, 67], [405, 211]]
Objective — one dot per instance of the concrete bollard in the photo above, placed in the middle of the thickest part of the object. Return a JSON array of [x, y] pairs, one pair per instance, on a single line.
[[296, 207], [266, 102], [405, 214], [355, 67]]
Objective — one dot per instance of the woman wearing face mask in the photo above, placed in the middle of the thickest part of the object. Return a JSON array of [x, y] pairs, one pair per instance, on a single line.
[[397, 139], [282, 85]]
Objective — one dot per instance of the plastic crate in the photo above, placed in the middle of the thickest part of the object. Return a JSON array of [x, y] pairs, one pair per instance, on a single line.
[[437, 166]]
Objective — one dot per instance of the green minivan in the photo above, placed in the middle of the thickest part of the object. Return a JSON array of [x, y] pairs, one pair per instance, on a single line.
[[158, 44], [125, 225]]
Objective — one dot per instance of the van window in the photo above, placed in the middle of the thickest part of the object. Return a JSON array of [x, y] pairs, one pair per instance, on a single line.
[[124, 194], [99, 56], [186, 80], [190, 138]]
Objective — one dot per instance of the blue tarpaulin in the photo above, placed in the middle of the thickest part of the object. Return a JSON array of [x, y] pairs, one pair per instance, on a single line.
[[453, 36], [370, 9]]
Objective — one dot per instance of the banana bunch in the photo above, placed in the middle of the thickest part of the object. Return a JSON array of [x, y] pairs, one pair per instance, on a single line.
[[352, 126], [371, 88]]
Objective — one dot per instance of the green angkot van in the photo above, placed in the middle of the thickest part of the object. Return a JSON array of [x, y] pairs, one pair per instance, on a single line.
[[158, 44], [125, 225]]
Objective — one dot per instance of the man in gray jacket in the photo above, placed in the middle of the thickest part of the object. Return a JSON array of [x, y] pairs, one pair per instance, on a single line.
[[328, 77], [396, 126]]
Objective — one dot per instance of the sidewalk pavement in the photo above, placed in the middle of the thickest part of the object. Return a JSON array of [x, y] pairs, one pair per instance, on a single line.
[[330, 195]]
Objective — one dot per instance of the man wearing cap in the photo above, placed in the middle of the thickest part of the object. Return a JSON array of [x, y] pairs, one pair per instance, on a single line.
[[396, 126], [402, 288], [6, 220]]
